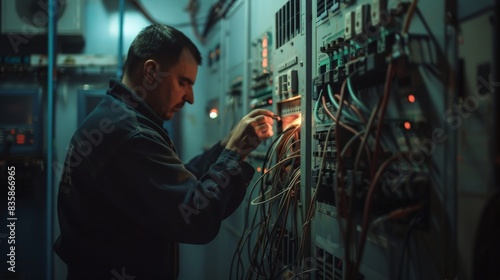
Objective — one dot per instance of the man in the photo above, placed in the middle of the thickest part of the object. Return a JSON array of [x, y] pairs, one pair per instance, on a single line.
[[125, 199]]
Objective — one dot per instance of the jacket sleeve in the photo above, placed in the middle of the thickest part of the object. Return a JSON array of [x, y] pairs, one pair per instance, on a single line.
[[159, 194], [200, 164]]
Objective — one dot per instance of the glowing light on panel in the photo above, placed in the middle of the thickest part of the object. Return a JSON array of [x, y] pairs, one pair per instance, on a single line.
[[214, 113], [264, 43], [411, 98]]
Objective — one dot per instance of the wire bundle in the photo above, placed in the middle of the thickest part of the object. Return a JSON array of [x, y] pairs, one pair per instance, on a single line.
[[361, 149], [277, 206], [362, 138], [347, 115]]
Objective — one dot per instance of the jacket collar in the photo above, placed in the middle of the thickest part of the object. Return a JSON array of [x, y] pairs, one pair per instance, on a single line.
[[118, 89]]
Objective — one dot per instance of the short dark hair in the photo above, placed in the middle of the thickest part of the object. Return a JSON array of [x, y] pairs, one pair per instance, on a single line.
[[160, 42]]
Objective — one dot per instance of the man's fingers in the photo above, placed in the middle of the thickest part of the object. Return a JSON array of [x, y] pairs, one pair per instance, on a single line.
[[262, 120], [258, 112], [264, 131], [254, 128], [270, 131]]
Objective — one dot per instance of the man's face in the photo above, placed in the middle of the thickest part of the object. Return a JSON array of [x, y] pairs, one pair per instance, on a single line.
[[174, 87]]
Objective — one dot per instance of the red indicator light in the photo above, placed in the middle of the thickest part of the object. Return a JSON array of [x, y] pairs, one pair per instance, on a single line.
[[259, 169], [20, 139], [411, 98], [264, 53], [270, 101], [264, 63], [407, 125]]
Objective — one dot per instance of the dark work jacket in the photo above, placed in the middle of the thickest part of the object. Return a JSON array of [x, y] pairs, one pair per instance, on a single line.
[[126, 200]]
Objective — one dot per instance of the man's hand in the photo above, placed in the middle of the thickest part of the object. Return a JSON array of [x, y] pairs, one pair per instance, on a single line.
[[253, 128]]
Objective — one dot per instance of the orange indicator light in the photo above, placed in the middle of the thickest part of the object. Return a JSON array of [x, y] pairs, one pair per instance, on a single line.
[[411, 98], [264, 42]]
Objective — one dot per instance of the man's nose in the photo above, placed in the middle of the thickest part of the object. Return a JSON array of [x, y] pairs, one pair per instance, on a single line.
[[189, 96]]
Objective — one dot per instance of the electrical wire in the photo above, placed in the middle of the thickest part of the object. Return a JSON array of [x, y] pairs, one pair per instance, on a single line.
[[316, 109], [269, 241], [331, 98], [395, 214], [383, 107], [415, 220], [253, 226], [303, 272], [283, 148], [367, 209], [290, 147], [255, 202], [293, 183], [238, 252], [311, 209], [353, 266], [192, 8], [378, 114], [409, 16], [284, 174], [291, 128], [292, 186], [334, 118], [374, 179], [350, 142], [340, 183], [354, 97], [354, 109]]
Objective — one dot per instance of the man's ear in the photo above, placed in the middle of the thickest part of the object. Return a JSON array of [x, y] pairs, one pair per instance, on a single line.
[[150, 70]]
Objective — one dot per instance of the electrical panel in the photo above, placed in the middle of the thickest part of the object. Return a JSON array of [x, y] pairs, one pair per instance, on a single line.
[[289, 56], [278, 82], [21, 123], [261, 72], [376, 170], [214, 58], [261, 86], [359, 179]]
